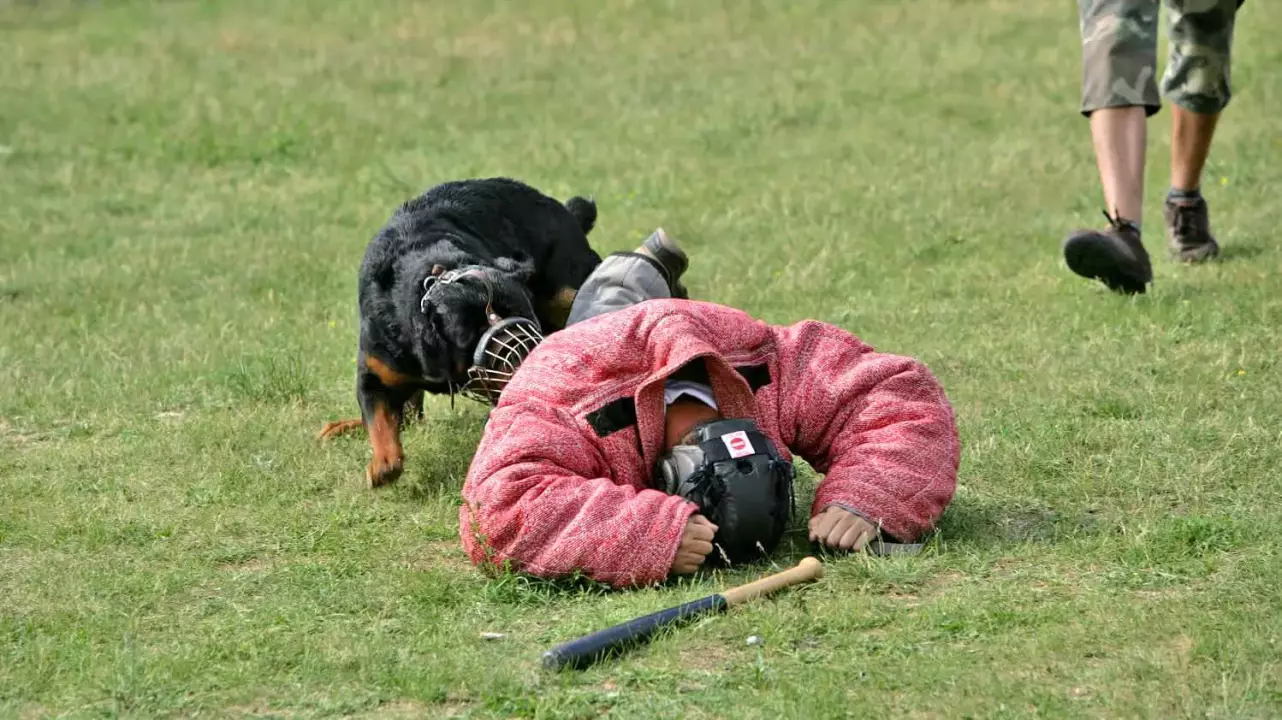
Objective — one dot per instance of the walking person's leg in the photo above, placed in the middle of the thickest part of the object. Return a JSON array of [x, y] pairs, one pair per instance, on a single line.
[[1197, 84], [1119, 92]]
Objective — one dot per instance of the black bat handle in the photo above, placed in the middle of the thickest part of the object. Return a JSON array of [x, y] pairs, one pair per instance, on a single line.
[[580, 653]]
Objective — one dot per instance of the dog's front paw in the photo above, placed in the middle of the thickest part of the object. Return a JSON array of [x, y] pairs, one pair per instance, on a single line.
[[384, 470]]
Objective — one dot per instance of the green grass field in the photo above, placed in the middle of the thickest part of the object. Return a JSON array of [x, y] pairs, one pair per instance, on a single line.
[[186, 190]]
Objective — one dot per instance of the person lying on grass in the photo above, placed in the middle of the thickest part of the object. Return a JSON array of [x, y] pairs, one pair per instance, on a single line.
[[613, 440]]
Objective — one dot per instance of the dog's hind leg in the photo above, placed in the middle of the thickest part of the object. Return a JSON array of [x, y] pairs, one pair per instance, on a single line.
[[339, 427], [335, 428]]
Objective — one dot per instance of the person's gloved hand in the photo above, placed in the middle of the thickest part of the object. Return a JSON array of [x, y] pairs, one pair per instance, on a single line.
[[696, 543], [840, 529]]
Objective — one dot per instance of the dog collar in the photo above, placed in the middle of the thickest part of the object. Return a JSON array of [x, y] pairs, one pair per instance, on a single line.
[[431, 282]]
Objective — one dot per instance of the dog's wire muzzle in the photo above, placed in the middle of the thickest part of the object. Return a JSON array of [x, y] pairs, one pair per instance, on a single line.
[[500, 350], [499, 353]]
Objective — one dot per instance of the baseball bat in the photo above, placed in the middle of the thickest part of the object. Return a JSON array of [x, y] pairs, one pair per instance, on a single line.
[[583, 652]]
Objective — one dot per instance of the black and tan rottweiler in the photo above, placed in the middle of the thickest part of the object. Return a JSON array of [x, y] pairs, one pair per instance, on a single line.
[[532, 254]]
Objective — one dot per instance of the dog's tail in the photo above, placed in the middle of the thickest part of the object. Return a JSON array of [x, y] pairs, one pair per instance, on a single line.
[[583, 210]]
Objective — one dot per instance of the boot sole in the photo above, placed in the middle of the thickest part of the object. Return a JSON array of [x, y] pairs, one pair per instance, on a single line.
[[674, 261], [1095, 258], [1193, 256], [662, 252]]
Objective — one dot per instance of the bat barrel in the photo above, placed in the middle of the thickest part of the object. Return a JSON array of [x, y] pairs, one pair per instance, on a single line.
[[581, 653], [584, 651]]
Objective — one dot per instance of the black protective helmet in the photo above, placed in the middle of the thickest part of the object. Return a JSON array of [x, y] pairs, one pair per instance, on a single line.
[[734, 473]]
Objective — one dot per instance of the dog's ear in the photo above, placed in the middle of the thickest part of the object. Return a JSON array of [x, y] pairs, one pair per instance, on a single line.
[[519, 271], [512, 291]]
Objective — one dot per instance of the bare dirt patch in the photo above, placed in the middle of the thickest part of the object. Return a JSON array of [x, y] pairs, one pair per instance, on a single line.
[[451, 707], [252, 565], [258, 709], [31, 712], [434, 555], [11, 434], [942, 582], [709, 658]]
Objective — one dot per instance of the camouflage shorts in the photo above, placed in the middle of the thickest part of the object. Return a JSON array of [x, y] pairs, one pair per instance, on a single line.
[[1119, 54]]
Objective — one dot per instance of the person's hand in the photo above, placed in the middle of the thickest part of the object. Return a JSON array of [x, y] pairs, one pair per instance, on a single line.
[[841, 529], [696, 543]]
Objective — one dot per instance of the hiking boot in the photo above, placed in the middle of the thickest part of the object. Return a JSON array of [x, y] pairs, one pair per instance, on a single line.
[[664, 248], [1114, 256], [1188, 231]]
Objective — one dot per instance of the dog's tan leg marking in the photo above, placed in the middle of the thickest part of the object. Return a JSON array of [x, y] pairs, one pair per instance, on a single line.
[[385, 439], [386, 375]]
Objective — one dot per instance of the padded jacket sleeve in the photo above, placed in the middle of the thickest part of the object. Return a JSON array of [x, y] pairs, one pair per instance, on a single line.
[[538, 499], [878, 426]]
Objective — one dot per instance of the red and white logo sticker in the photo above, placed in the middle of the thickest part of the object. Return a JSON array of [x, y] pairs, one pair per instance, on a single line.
[[738, 444]]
